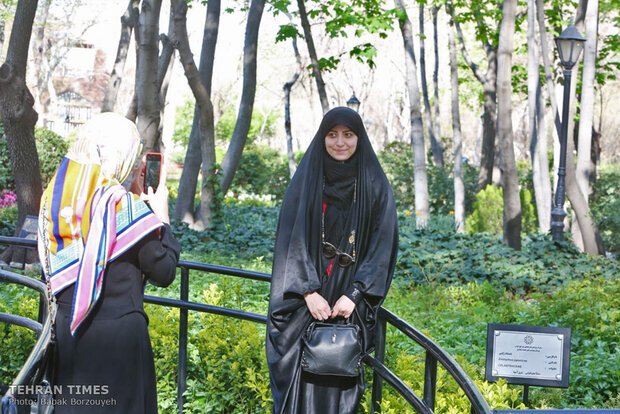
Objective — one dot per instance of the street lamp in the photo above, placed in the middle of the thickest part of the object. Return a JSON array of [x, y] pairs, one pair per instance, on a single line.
[[354, 103], [569, 44]]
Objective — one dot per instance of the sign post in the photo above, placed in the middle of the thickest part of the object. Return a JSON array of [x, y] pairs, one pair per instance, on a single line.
[[528, 355]]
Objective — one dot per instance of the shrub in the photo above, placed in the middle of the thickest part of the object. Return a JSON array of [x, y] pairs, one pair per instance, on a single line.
[[227, 371], [605, 204], [8, 220], [51, 148], [397, 162], [15, 342], [7, 181], [487, 216], [438, 256], [262, 170]]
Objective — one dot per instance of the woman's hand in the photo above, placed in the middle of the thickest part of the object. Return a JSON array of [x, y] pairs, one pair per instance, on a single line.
[[158, 200], [344, 307], [318, 306]]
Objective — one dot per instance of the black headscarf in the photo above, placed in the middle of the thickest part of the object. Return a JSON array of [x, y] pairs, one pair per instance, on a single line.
[[298, 267]]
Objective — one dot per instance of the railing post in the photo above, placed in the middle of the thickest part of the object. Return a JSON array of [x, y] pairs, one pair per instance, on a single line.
[[430, 380], [377, 381], [182, 368]]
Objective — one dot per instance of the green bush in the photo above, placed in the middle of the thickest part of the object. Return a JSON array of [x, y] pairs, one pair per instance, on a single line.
[[457, 317], [442, 257], [51, 148], [15, 342], [262, 170], [261, 126], [7, 182], [487, 215], [397, 162], [605, 204], [8, 220], [227, 371]]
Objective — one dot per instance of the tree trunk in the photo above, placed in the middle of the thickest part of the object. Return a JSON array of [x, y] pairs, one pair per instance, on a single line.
[[488, 160], [2, 27], [585, 167], [437, 123], [538, 135], [512, 203], [592, 242], [415, 116], [459, 186], [19, 118], [435, 144], [316, 68], [244, 116], [184, 208], [489, 86], [205, 107], [128, 22], [287, 110], [147, 90], [165, 64], [38, 55]]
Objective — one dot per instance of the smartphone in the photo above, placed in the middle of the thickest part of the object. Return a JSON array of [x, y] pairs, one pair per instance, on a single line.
[[152, 170]]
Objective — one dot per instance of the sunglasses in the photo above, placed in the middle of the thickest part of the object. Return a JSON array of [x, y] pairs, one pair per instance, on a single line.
[[344, 259]]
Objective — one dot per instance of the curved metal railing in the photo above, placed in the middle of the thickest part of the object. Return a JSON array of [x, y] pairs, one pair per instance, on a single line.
[[434, 352], [31, 367]]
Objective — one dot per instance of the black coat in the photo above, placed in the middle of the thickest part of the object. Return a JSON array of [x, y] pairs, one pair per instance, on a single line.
[[112, 349], [299, 267]]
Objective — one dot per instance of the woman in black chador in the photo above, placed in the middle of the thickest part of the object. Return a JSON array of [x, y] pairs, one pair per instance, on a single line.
[[334, 257]]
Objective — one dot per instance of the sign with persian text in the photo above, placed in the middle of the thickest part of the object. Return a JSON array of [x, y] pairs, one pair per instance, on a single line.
[[528, 355]]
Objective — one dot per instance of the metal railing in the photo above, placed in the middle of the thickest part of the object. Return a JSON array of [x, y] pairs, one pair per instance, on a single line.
[[434, 353], [31, 367]]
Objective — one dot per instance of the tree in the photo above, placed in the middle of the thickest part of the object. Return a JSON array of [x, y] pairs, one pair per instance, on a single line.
[[459, 186], [488, 81], [585, 232], [538, 133], [184, 207], [147, 90], [512, 203], [244, 116], [19, 117], [435, 143], [415, 115], [128, 22], [205, 111], [437, 123], [316, 67], [287, 109], [585, 167]]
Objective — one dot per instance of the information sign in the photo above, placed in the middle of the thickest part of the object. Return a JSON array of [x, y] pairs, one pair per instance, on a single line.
[[528, 355]]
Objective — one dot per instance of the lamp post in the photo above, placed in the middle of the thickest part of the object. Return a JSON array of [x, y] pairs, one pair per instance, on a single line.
[[569, 44], [354, 103]]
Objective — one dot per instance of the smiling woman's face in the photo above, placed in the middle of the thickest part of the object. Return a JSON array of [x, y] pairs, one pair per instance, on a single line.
[[340, 142]]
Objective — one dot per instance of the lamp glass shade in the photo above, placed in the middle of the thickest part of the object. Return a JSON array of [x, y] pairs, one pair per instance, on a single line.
[[353, 103], [569, 44]]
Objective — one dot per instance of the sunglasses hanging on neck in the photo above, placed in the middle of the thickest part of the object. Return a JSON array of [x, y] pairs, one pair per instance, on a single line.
[[329, 250]]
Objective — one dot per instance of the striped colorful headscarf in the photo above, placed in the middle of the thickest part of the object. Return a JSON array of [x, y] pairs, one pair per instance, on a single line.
[[87, 218]]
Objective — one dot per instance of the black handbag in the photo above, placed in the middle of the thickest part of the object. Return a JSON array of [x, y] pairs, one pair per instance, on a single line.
[[332, 349]]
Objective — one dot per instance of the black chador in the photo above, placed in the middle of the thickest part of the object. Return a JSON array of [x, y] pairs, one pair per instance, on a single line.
[[353, 202]]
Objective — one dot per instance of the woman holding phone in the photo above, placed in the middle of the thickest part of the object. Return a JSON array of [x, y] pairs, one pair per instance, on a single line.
[[99, 244]]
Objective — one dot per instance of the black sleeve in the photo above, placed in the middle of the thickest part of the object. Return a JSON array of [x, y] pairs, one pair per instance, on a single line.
[[158, 258]]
